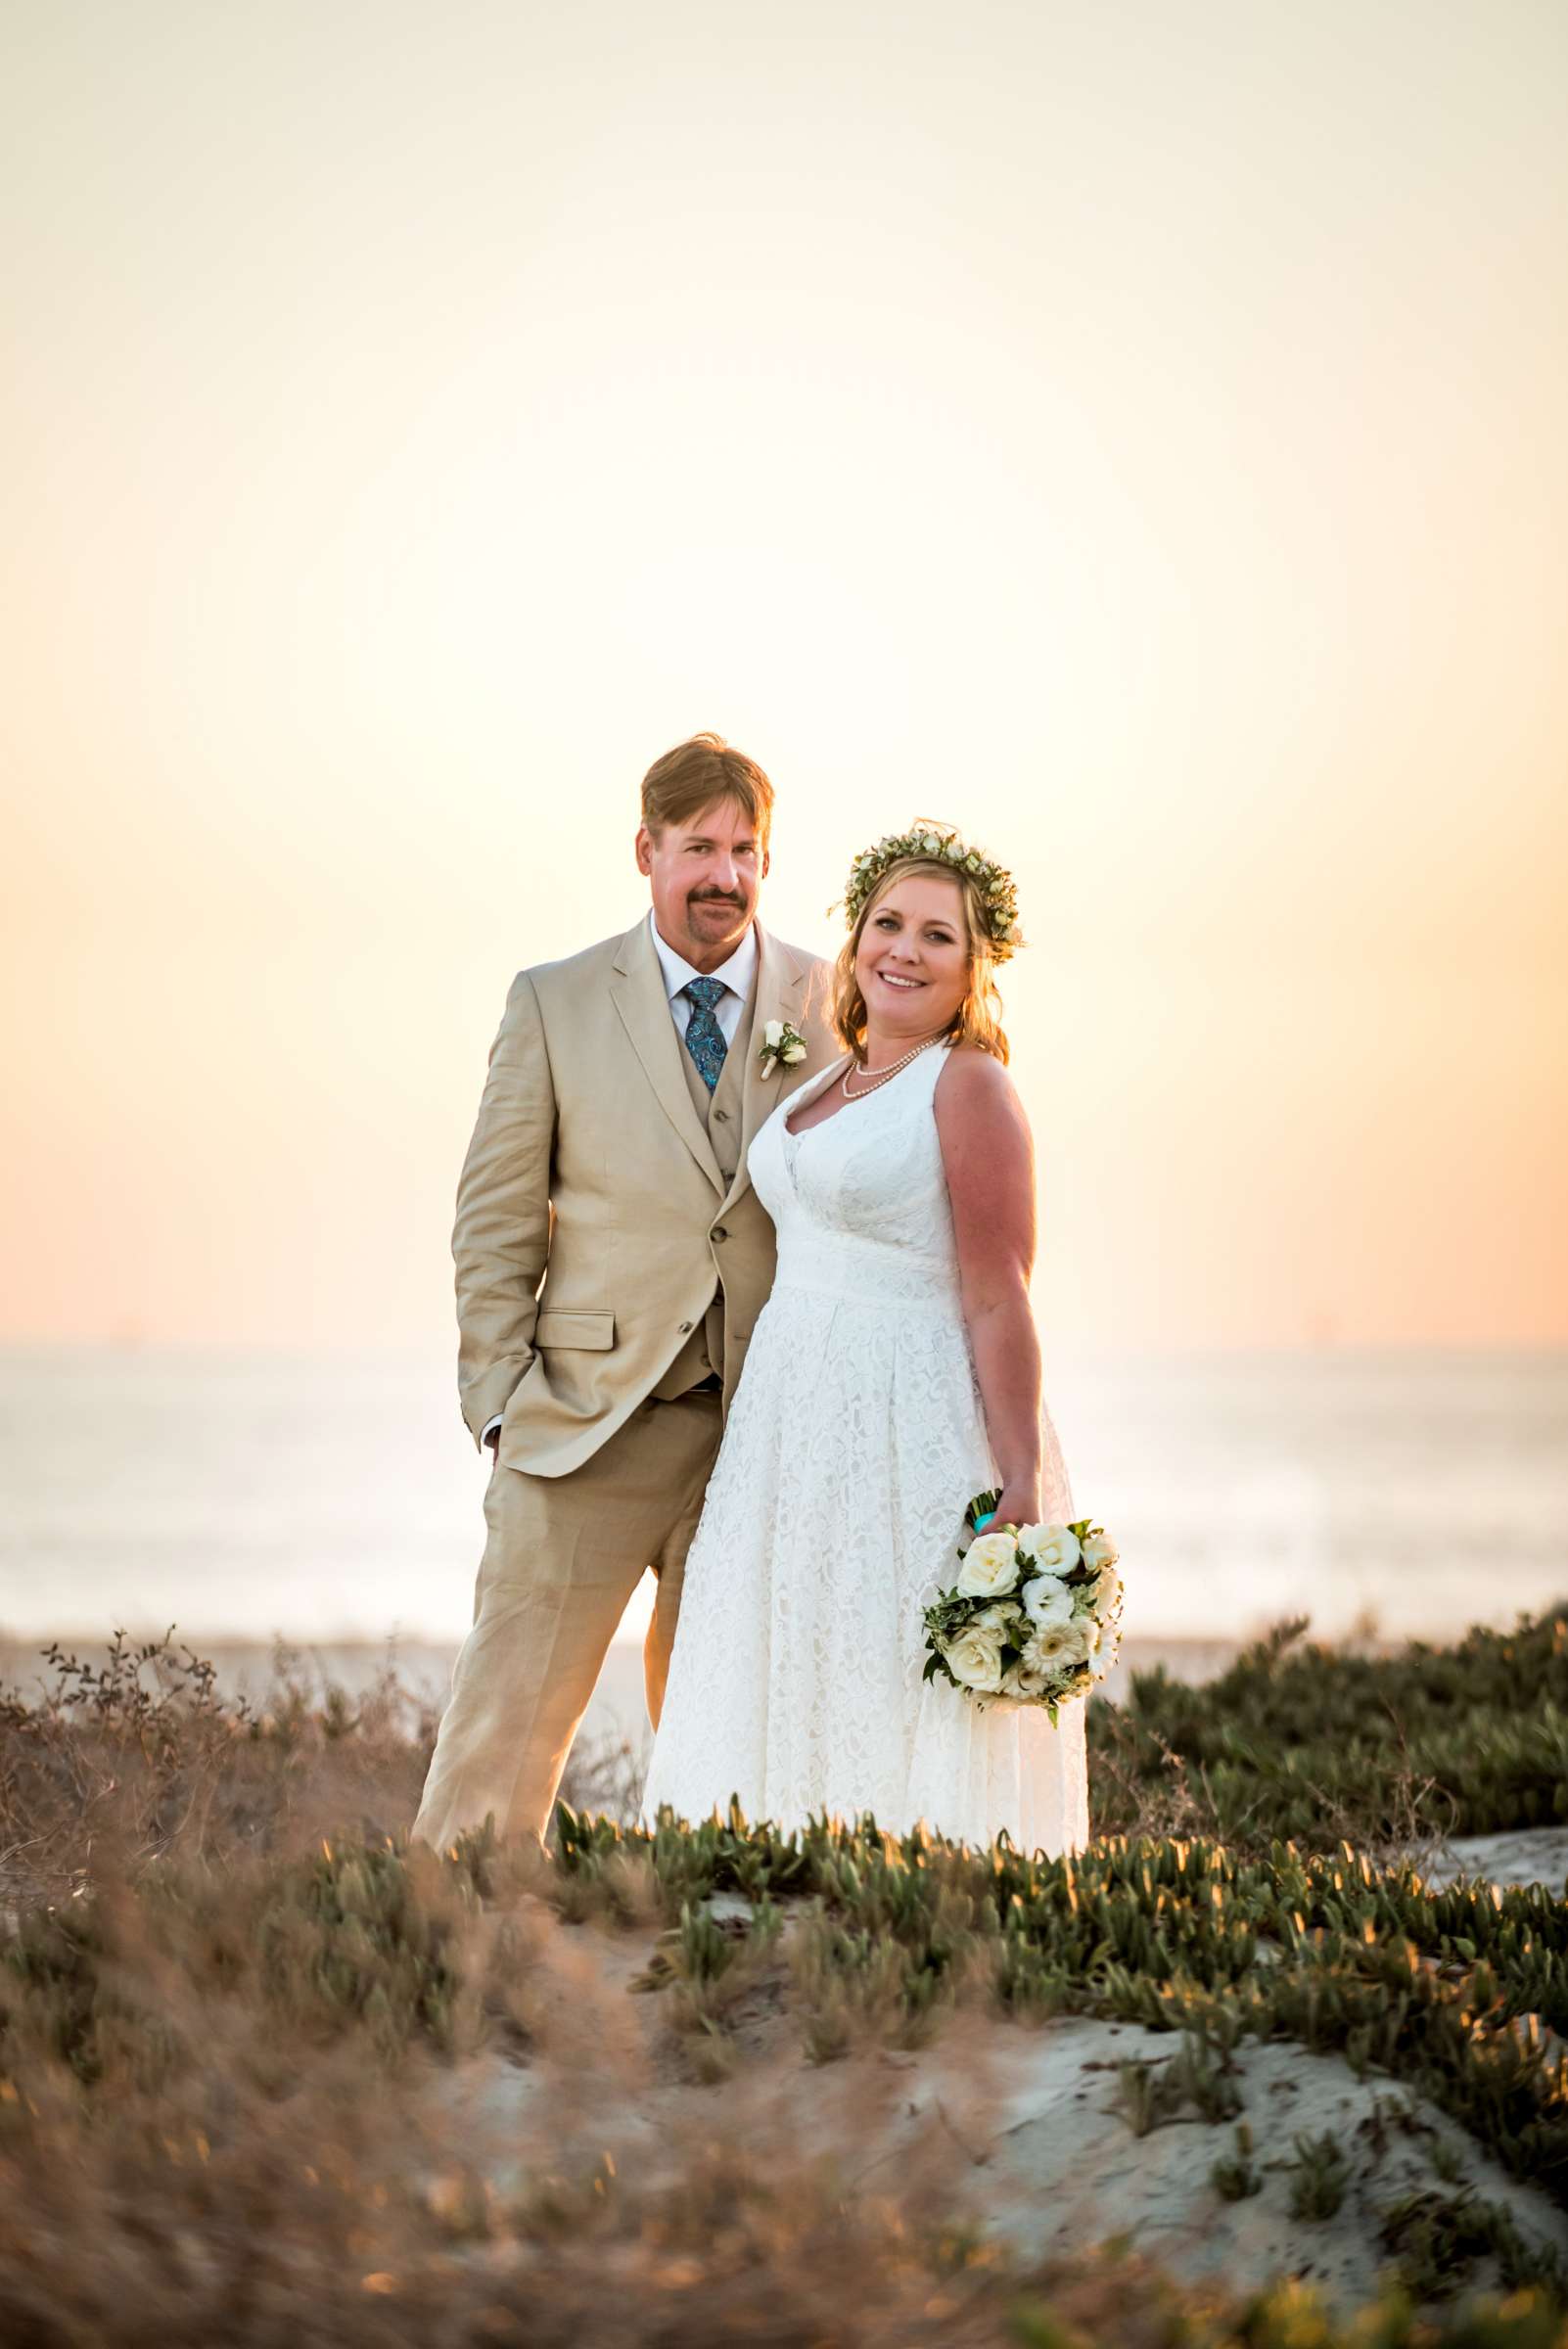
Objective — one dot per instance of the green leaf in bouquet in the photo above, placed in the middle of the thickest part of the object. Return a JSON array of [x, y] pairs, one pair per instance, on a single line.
[[950, 1613]]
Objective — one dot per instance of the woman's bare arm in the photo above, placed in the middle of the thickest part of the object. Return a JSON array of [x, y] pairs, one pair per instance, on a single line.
[[990, 1163]]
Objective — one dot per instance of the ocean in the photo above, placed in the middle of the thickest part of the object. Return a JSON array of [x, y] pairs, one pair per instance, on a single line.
[[335, 1501]]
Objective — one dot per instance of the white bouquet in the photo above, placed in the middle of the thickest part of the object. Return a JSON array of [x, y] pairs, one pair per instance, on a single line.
[[1035, 1616]]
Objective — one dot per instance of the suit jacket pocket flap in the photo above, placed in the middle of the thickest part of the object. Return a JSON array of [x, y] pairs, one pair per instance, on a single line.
[[558, 1326]]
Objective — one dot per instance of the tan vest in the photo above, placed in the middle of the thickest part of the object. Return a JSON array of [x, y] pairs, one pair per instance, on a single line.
[[702, 1354]]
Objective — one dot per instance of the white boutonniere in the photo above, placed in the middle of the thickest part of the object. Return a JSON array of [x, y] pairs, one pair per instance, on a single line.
[[780, 1042]]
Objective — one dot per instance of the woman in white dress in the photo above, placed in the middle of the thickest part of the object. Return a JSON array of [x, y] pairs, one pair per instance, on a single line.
[[893, 1372]]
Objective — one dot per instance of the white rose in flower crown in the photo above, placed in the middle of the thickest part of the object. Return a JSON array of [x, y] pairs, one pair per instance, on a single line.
[[1053, 1546], [989, 1566], [774, 1033], [974, 1659], [1100, 1550], [1047, 1600]]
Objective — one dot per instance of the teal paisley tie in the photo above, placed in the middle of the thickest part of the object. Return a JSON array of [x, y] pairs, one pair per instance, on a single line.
[[705, 1038]]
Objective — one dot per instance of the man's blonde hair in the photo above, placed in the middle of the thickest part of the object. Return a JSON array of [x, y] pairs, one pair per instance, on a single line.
[[697, 772], [977, 1018]]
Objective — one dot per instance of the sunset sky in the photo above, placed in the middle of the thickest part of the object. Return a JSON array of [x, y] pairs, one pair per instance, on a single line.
[[1133, 433]]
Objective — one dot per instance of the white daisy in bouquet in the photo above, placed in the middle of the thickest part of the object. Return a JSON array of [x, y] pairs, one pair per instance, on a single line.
[[1035, 1615]]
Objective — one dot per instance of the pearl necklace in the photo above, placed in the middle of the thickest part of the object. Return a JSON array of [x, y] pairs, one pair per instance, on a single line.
[[882, 1075]]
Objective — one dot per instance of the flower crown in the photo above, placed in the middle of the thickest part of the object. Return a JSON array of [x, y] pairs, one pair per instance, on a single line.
[[944, 844]]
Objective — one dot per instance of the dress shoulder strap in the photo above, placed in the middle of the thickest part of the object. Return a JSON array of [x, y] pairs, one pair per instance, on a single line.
[[933, 1063]]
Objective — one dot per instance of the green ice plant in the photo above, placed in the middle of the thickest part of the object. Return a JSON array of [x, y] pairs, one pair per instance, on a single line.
[[1034, 1617]]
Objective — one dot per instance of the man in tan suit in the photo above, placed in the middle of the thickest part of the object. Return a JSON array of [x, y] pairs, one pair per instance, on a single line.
[[612, 1260]]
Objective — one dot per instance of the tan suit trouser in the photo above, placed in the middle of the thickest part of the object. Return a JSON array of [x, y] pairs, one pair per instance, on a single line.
[[562, 1557]]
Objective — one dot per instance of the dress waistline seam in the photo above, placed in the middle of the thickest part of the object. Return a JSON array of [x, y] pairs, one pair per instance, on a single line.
[[950, 1305]]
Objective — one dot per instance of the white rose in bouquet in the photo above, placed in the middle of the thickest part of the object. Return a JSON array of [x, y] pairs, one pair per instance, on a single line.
[[1053, 1546], [975, 1658], [989, 1566], [1106, 1592], [1100, 1550], [1047, 1600], [1006, 1619]]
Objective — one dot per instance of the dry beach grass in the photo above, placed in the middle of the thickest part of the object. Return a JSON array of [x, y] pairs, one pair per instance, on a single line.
[[1239, 2073]]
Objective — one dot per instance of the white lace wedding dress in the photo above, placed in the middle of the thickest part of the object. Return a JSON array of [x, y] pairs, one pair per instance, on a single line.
[[854, 1439]]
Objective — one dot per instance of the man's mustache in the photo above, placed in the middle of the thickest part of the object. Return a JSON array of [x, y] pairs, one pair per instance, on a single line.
[[716, 898]]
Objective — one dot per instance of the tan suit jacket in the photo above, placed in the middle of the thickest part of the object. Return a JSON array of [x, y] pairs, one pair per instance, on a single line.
[[594, 1222]]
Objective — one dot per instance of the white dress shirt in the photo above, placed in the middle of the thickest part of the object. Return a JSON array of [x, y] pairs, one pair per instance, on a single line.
[[737, 974]]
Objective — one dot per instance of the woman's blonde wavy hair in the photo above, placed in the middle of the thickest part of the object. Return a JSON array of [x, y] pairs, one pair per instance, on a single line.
[[977, 1018]]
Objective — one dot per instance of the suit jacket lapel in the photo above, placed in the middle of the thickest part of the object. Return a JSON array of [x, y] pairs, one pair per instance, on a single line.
[[780, 995], [637, 992]]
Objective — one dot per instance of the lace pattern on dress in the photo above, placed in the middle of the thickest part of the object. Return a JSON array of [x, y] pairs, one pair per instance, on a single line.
[[856, 1437]]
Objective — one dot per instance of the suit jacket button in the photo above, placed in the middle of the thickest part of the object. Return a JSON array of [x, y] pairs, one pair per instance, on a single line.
[[686, 1329], [720, 1233], [722, 1115]]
